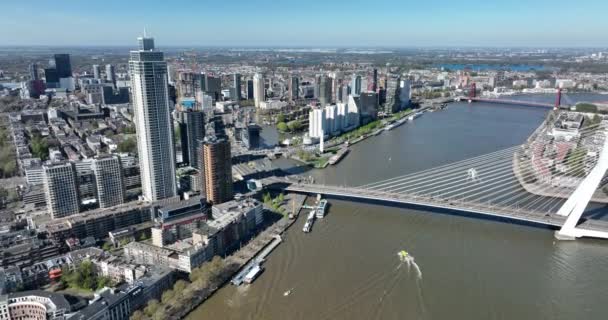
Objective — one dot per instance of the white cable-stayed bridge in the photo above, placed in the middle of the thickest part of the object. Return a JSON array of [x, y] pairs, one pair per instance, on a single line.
[[520, 183]]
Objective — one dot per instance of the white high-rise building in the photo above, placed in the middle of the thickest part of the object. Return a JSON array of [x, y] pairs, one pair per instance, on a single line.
[[60, 189], [354, 112], [149, 85], [258, 89], [317, 123], [342, 116], [109, 181], [331, 118]]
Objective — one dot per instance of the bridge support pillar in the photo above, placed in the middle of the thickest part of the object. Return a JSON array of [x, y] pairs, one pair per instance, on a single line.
[[574, 207]]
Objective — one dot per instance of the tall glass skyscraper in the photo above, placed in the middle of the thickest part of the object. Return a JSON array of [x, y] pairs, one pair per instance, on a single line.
[[149, 85]]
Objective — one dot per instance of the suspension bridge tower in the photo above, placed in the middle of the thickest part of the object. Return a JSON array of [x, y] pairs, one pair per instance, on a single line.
[[558, 99]]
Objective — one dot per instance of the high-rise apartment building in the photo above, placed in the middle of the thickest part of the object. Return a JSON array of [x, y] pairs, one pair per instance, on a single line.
[[192, 130], [109, 181], [60, 189], [258, 89], [149, 86], [393, 95], [216, 171]]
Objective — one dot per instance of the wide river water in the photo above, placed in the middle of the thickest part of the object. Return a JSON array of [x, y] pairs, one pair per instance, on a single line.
[[470, 268]]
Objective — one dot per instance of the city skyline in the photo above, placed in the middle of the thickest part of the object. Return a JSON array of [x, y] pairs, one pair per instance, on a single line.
[[385, 23]]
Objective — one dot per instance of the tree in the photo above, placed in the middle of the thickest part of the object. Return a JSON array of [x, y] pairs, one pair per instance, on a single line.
[[151, 308], [107, 246], [282, 126], [281, 198], [280, 118], [267, 198], [294, 125], [167, 296], [138, 315], [40, 147], [180, 285], [586, 107], [128, 145]]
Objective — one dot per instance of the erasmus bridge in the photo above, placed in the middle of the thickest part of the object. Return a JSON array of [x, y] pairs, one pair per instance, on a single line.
[[524, 183]]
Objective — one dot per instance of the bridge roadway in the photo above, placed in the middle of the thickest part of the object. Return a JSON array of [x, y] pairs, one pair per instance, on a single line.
[[486, 209], [511, 102]]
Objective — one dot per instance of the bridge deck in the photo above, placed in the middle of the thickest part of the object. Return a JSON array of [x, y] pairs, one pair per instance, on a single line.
[[516, 214]]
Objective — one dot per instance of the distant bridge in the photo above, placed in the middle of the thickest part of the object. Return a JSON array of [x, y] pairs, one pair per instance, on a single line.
[[513, 102]]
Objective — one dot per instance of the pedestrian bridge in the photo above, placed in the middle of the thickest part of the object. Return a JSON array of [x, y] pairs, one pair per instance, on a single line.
[[533, 183]]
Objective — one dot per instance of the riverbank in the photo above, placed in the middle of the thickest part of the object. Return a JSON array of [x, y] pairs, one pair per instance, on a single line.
[[239, 259]]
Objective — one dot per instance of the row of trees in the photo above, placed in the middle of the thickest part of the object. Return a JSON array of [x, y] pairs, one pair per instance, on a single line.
[[8, 164], [209, 275], [291, 126]]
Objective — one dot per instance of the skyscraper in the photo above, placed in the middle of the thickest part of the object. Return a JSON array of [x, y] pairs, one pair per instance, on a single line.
[[192, 130], [355, 87], [51, 78], [249, 89], [96, 71], [216, 171], [236, 78], [60, 189], [324, 85], [110, 74], [294, 88], [34, 72], [63, 65], [258, 89], [393, 95], [109, 181], [375, 80], [149, 85]]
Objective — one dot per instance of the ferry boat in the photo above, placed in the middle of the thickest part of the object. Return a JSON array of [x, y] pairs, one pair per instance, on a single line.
[[253, 274], [414, 116]]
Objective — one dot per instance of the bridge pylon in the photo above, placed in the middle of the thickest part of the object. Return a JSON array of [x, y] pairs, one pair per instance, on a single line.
[[576, 204]]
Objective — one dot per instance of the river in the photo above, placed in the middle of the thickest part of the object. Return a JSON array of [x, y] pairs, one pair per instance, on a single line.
[[470, 268]]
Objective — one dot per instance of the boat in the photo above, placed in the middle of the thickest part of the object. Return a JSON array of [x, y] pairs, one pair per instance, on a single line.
[[321, 209], [403, 255], [414, 116], [253, 274], [286, 293], [309, 221], [390, 127]]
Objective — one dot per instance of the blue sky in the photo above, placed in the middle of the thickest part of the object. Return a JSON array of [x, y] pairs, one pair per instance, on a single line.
[[398, 23]]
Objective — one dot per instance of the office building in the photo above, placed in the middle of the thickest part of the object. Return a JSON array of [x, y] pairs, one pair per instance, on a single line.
[[369, 105], [406, 93], [109, 181], [258, 89], [110, 74], [250, 136], [236, 83], [153, 123], [355, 87], [63, 65], [250, 89], [60, 188], [216, 170], [96, 71], [192, 130], [212, 86], [51, 78], [294, 88]]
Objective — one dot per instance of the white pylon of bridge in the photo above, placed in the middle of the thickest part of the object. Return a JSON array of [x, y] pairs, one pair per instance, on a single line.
[[578, 201]]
